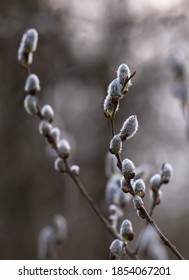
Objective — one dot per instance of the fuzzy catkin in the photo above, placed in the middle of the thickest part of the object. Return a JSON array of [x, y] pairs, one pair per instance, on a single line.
[[115, 145], [32, 83], [129, 128], [123, 72], [115, 89], [128, 169]]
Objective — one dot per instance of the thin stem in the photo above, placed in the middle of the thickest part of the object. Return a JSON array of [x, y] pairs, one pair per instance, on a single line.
[[152, 208], [112, 120], [162, 236], [119, 162], [129, 78], [154, 204], [89, 199], [28, 68], [112, 125], [126, 81], [39, 112], [143, 231]]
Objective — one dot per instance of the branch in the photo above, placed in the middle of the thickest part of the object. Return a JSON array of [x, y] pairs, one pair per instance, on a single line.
[[162, 236]]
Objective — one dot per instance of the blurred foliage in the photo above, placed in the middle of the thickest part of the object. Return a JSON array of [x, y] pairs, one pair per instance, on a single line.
[[80, 47]]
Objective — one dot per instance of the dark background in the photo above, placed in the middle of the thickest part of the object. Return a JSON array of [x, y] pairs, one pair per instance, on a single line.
[[81, 45]]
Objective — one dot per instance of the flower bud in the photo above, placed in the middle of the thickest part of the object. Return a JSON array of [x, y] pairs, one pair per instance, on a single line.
[[125, 186], [75, 170], [46, 244], [45, 128], [59, 165], [111, 189], [126, 231], [50, 236], [166, 173], [27, 46], [55, 134], [111, 165], [63, 148], [115, 145], [129, 128], [115, 213], [114, 193], [115, 89], [128, 169], [60, 226], [30, 104], [139, 188], [116, 249], [30, 39], [123, 73], [138, 202], [109, 106], [32, 84], [47, 113], [155, 182]]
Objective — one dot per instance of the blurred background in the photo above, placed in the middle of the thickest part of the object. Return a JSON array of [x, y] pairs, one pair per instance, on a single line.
[[81, 44]]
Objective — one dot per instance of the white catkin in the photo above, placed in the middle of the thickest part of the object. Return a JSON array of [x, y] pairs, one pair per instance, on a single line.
[[123, 72], [128, 168], [116, 247], [115, 145], [32, 83], [59, 165], [115, 89], [130, 127], [166, 172], [47, 113], [30, 104], [155, 182], [63, 148], [139, 186], [45, 128]]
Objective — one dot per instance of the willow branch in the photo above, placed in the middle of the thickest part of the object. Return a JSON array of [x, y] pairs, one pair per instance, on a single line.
[[89, 199], [150, 220], [162, 236]]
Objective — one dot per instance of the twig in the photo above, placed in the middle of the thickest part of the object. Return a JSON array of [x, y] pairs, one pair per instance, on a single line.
[[162, 236], [149, 219], [144, 229], [89, 199]]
